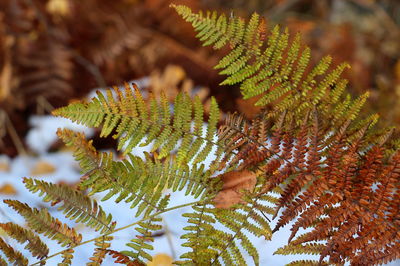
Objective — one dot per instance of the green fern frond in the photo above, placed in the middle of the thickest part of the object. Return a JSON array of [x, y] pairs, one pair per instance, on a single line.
[[214, 246], [142, 242], [75, 205], [43, 223], [270, 67], [12, 255], [145, 229], [136, 181], [136, 123], [35, 245], [145, 181]]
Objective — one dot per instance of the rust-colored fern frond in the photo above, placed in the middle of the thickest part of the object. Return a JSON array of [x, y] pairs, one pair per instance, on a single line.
[[349, 199], [45, 70], [359, 227]]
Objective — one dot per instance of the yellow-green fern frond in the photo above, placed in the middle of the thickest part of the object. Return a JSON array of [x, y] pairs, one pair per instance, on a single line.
[[273, 67], [12, 255], [143, 241], [211, 245], [136, 181], [204, 239], [96, 166], [35, 245], [43, 223], [74, 204], [310, 249], [136, 122], [145, 181]]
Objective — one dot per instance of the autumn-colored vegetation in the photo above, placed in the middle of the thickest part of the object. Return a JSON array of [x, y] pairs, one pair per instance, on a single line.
[[304, 145]]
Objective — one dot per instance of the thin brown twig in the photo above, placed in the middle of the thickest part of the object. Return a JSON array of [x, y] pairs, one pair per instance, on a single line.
[[5, 120]]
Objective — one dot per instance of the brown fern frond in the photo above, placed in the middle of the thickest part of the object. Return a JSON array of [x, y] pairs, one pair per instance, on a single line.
[[378, 257], [67, 257], [101, 243], [44, 69], [346, 197], [12, 254], [35, 245], [363, 225], [299, 160], [43, 223]]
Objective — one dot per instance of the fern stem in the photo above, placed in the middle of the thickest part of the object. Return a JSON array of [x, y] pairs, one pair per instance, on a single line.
[[122, 228]]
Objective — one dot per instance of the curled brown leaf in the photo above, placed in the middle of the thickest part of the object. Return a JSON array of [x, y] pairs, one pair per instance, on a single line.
[[235, 183]]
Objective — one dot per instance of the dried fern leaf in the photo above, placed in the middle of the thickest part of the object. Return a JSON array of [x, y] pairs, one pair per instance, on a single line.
[[35, 245], [12, 255], [67, 257]]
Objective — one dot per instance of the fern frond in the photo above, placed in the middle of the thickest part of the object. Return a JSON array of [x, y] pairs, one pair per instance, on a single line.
[[102, 244], [136, 181], [357, 226], [311, 249], [214, 246], [75, 205], [206, 241], [67, 256], [327, 184], [92, 163], [35, 245], [271, 67], [43, 223], [143, 241], [12, 255], [136, 123], [123, 259]]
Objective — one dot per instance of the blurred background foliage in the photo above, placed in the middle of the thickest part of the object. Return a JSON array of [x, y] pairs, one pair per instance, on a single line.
[[54, 51]]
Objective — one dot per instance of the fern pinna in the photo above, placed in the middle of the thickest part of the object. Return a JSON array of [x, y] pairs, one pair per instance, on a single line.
[[307, 159]]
